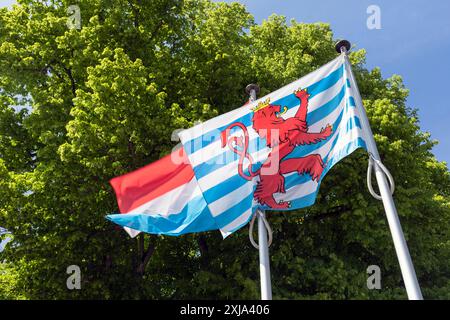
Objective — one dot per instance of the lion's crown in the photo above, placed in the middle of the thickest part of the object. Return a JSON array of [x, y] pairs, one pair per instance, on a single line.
[[262, 105]]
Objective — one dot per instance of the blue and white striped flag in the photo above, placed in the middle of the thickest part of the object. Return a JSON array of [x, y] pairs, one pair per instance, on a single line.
[[273, 153]]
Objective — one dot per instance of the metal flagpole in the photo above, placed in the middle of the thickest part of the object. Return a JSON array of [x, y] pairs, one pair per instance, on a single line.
[[263, 247], [401, 248]]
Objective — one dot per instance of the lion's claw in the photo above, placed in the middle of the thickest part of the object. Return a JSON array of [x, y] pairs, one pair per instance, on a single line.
[[282, 205], [301, 93]]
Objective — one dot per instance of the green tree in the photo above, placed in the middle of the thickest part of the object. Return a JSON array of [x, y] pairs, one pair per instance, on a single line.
[[78, 107]]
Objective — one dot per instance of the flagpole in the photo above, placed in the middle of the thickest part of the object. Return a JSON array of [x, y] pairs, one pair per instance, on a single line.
[[264, 261], [401, 248]]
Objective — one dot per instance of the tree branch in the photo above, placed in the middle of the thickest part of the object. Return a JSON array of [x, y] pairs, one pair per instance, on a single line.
[[72, 80], [204, 251], [332, 213], [135, 14], [144, 258]]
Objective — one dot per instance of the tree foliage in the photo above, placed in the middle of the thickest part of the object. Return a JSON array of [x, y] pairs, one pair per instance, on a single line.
[[78, 107]]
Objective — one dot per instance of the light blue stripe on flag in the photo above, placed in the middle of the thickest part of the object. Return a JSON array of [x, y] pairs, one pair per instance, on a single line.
[[195, 217]]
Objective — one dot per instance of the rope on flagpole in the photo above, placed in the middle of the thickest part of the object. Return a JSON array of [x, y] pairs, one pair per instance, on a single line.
[[372, 163], [266, 224]]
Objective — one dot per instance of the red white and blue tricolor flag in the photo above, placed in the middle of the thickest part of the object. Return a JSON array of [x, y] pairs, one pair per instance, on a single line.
[[269, 154]]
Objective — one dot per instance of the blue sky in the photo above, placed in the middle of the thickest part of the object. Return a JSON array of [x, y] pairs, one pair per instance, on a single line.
[[414, 42]]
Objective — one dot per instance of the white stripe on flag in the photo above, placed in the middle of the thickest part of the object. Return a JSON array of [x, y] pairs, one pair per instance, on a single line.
[[242, 219], [297, 191], [214, 177], [171, 202], [224, 203], [131, 232]]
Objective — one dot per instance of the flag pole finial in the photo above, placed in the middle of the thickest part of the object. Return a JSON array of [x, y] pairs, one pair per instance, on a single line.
[[252, 90], [342, 45]]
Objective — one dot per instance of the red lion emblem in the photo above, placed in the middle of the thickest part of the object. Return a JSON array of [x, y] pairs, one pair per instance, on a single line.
[[282, 135]]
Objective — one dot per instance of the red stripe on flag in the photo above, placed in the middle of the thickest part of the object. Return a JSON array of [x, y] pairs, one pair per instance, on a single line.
[[147, 183]]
